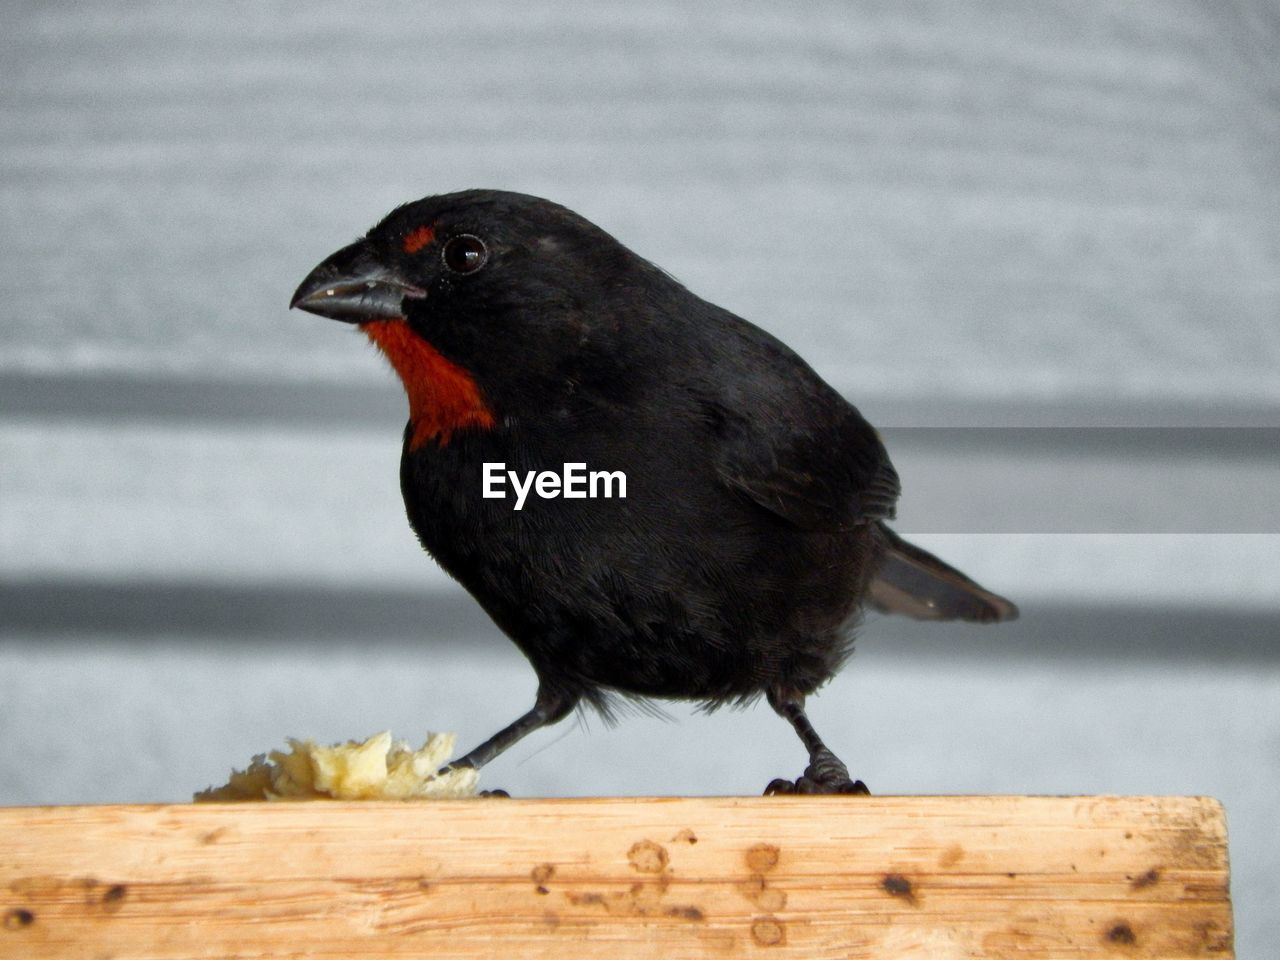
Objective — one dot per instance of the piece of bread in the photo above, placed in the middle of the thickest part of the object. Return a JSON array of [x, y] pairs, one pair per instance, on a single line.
[[377, 769]]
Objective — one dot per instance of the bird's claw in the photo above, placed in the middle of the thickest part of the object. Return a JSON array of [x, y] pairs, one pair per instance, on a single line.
[[807, 785], [825, 774]]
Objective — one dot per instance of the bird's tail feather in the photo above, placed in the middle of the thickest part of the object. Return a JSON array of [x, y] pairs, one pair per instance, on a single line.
[[915, 583]]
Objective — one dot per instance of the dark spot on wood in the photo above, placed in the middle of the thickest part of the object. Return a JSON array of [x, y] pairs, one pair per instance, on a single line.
[[1149, 878], [18, 918], [895, 884], [1122, 934], [647, 856], [685, 913], [541, 890], [586, 899], [1216, 940], [424, 885], [686, 836], [213, 836], [88, 887], [1011, 875], [763, 857], [1128, 834], [768, 932], [113, 899], [542, 873], [758, 891]]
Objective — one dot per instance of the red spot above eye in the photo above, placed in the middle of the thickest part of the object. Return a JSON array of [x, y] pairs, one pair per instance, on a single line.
[[418, 238]]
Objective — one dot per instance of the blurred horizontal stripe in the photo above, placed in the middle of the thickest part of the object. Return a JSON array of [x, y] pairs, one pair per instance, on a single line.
[[379, 402], [303, 616], [252, 612], [1086, 480], [289, 501]]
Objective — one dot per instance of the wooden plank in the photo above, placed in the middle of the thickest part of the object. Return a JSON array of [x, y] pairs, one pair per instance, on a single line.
[[811, 877]]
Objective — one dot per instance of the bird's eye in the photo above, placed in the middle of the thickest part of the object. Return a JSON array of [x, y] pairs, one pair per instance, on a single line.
[[465, 253]]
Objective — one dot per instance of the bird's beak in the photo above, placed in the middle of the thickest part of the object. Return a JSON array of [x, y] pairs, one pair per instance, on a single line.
[[355, 287]]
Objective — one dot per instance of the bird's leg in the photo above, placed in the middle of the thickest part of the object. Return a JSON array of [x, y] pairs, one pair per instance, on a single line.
[[550, 706], [825, 773]]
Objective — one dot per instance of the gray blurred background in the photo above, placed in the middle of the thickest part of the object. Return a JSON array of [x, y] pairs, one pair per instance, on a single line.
[[1038, 244]]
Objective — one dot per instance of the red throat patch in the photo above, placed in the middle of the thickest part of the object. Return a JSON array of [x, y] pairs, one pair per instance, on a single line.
[[442, 395]]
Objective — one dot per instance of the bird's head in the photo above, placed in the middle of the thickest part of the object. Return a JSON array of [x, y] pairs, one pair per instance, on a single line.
[[482, 300]]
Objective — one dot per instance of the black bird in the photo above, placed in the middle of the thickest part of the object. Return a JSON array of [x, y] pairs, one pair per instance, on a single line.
[[753, 527]]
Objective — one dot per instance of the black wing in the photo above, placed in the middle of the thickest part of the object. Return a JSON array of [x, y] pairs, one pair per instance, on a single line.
[[818, 465]]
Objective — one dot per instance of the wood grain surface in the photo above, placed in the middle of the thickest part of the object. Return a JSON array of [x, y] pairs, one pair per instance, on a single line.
[[896, 877]]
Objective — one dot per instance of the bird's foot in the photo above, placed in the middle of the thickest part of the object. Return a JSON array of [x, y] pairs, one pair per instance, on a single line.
[[825, 774], [807, 784], [464, 763]]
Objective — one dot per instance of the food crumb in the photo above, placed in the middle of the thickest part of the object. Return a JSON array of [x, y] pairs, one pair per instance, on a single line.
[[378, 768]]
